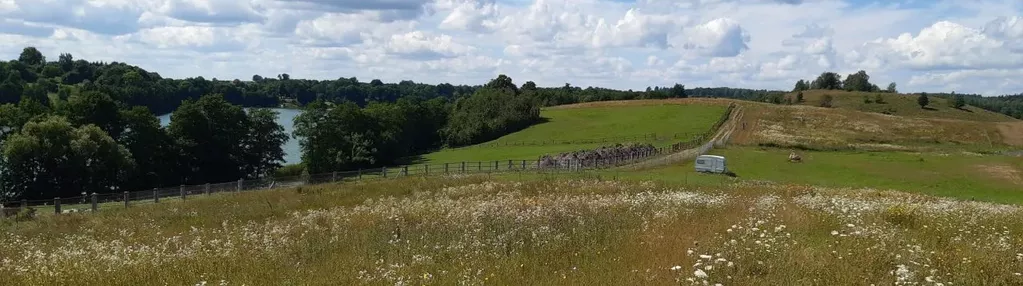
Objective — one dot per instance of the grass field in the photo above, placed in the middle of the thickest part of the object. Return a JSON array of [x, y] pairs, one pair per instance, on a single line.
[[537, 232], [666, 119], [959, 175]]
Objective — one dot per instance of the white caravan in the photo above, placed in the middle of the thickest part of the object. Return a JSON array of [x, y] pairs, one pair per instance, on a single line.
[[711, 164]]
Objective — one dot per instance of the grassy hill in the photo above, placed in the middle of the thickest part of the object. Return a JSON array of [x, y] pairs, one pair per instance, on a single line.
[[846, 126], [899, 104], [569, 128]]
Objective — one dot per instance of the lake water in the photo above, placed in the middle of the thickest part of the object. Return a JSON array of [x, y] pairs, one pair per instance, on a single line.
[[286, 118]]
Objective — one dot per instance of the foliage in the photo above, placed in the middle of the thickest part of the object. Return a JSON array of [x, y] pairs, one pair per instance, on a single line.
[[891, 88], [957, 101], [922, 100], [878, 99], [826, 101], [799, 97], [858, 81], [492, 111], [51, 158], [827, 80]]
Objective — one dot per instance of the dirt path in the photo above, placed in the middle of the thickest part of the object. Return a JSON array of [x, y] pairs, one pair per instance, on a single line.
[[1002, 172], [720, 138], [1012, 132]]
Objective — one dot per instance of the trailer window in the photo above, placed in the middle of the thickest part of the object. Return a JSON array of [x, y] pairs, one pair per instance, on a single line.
[[701, 162]]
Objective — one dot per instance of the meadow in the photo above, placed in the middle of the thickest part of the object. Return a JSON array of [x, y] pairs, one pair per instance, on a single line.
[[568, 128], [474, 230], [961, 175]]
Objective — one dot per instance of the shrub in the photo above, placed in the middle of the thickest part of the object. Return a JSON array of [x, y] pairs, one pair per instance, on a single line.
[[866, 99], [293, 170], [826, 101], [878, 98], [900, 215]]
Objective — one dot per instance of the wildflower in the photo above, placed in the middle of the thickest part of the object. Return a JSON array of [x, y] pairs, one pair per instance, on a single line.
[[700, 274], [676, 267], [834, 232], [704, 256]]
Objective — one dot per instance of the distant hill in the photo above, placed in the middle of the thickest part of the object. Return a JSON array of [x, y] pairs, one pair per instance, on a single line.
[[898, 104]]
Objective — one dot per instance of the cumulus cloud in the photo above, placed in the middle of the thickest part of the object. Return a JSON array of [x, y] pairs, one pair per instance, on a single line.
[[938, 45], [721, 37], [944, 45]]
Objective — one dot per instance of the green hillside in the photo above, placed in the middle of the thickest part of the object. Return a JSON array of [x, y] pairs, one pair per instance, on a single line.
[[575, 124]]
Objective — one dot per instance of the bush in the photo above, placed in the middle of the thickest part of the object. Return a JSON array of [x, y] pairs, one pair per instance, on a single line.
[[293, 170], [878, 99], [900, 215], [826, 101], [866, 99]]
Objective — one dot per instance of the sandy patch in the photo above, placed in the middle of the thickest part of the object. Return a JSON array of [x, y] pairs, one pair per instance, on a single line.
[[1012, 132], [1003, 172]]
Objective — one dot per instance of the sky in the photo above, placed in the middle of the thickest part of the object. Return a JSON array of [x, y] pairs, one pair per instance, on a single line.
[[971, 46]]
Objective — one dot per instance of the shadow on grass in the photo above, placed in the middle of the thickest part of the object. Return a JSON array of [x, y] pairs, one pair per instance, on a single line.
[[419, 159], [930, 108]]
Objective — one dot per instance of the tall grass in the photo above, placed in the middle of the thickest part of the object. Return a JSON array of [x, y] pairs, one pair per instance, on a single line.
[[539, 232]]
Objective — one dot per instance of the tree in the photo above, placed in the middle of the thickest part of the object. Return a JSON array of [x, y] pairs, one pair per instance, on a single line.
[[263, 153], [799, 97], [97, 108], [827, 80], [335, 138], [66, 62], [678, 91], [957, 101], [891, 88], [156, 156], [31, 56], [212, 134], [801, 85], [922, 100], [50, 158], [257, 78], [826, 101], [858, 81]]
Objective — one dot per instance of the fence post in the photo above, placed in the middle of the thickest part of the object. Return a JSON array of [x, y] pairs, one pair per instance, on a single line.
[[360, 174], [445, 168], [509, 164], [427, 168], [156, 196], [240, 182], [56, 205], [206, 189], [24, 204], [333, 177], [497, 165], [463, 167], [479, 166], [95, 202], [125, 199], [181, 189], [404, 171], [523, 164], [383, 172]]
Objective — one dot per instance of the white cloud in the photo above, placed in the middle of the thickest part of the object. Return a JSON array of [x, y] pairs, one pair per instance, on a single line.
[[721, 37], [974, 46]]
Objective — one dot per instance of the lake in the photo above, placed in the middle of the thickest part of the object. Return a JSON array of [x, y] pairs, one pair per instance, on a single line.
[[286, 118]]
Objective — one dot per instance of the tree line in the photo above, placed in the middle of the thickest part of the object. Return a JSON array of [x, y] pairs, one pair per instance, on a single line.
[[71, 127]]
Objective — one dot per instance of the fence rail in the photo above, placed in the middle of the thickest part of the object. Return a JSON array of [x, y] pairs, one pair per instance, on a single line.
[[95, 202]]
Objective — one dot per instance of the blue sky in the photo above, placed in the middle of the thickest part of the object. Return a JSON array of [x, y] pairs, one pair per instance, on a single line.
[[938, 45]]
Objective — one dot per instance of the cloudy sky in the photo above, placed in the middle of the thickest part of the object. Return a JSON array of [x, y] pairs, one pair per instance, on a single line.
[[973, 46]]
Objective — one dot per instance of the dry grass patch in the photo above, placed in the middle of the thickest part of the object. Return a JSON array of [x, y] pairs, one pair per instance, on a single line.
[[847, 129], [576, 232]]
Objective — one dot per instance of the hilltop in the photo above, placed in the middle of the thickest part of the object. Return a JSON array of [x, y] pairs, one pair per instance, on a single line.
[[897, 104]]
